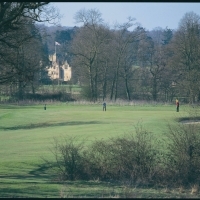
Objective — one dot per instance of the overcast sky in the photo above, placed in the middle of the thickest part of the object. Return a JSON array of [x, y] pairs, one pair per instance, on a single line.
[[149, 15]]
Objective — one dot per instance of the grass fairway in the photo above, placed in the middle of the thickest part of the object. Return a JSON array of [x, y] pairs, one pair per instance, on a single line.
[[26, 133]]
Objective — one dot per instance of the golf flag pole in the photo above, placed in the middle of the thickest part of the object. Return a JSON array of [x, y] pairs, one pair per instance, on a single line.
[[56, 43]]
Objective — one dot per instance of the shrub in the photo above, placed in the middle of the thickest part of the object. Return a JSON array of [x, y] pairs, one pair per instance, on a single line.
[[68, 159], [59, 96], [183, 155], [130, 157]]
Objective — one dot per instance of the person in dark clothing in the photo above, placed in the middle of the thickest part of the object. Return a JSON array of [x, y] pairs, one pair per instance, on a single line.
[[104, 106], [177, 105], [45, 107]]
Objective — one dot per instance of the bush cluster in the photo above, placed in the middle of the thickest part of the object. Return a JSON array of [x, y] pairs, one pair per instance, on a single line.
[[58, 96], [134, 157], [183, 154]]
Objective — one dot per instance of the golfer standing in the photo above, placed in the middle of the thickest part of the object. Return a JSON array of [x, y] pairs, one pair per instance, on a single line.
[[104, 106], [177, 105]]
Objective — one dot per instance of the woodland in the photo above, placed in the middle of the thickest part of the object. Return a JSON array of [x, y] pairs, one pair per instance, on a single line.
[[125, 61]]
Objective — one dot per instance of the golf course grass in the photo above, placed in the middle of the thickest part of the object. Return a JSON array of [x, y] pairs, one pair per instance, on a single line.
[[27, 133]]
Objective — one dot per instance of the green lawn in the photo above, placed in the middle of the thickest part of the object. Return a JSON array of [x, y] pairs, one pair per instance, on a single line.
[[27, 132]]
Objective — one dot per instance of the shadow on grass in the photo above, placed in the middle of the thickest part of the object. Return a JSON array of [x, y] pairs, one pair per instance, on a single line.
[[188, 119], [42, 172], [35, 185], [44, 125], [28, 190], [39, 173]]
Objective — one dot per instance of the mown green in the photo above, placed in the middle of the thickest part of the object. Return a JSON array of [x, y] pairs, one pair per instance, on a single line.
[[27, 132]]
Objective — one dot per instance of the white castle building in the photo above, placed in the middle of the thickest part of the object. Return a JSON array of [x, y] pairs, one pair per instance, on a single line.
[[57, 71]]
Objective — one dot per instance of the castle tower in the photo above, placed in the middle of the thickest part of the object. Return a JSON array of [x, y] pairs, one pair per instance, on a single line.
[[55, 71]]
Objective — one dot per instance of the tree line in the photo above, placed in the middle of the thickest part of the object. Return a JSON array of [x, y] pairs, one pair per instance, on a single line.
[[128, 62], [23, 53], [122, 62]]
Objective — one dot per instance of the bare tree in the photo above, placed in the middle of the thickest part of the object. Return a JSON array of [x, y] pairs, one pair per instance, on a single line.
[[124, 58], [14, 14], [186, 46], [154, 55], [87, 46], [11, 13]]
